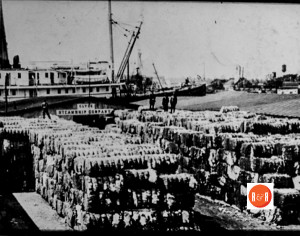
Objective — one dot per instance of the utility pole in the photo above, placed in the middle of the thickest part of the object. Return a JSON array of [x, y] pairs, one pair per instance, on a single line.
[[111, 42]]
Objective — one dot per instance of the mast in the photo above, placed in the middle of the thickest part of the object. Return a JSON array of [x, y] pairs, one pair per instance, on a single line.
[[204, 71], [111, 42], [89, 86]]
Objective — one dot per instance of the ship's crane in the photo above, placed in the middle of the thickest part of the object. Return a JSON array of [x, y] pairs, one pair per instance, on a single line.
[[157, 76], [127, 54]]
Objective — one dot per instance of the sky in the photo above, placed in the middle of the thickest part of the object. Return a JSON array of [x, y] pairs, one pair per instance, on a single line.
[[181, 38]]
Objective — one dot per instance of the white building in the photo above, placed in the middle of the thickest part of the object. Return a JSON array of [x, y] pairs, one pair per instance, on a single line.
[[288, 88]]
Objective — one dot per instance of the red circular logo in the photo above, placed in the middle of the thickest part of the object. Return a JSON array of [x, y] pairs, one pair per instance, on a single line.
[[260, 196]]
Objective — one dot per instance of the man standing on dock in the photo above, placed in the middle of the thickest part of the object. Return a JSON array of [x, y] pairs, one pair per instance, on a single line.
[[165, 102], [152, 100], [173, 101], [45, 109]]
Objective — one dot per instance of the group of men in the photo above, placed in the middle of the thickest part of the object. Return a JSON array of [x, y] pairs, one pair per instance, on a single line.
[[165, 102]]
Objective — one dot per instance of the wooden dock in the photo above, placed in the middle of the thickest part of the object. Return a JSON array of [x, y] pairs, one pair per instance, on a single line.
[[40, 212]]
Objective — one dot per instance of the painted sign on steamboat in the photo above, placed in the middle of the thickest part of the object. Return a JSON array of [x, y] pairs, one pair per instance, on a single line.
[[84, 109]]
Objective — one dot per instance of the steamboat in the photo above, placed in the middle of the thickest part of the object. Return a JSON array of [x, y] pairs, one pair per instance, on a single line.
[[94, 79]]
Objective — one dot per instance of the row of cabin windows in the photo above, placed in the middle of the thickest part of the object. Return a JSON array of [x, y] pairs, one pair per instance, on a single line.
[[46, 75], [74, 90], [13, 91], [38, 75], [19, 75]]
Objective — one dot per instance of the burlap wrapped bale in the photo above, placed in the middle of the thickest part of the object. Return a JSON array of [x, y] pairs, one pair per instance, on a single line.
[[41, 167], [144, 179], [229, 157], [233, 172], [274, 215], [59, 191], [263, 149], [91, 203], [172, 148], [77, 181], [226, 109], [286, 196], [279, 180], [274, 164], [59, 162], [221, 168], [288, 200], [193, 151], [66, 208], [296, 182], [209, 139], [248, 177], [231, 144], [219, 141], [38, 187], [235, 193], [213, 158], [58, 176], [290, 152], [59, 207], [197, 139]]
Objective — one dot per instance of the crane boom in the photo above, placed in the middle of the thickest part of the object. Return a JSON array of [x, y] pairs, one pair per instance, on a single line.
[[123, 62], [157, 76], [128, 53]]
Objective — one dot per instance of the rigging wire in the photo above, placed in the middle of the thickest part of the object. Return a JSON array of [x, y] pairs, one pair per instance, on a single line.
[[221, 63], [130, 25], [117, 23], [124, 27], [217, 59], [238, 67], [230, 64], [122, 32]]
